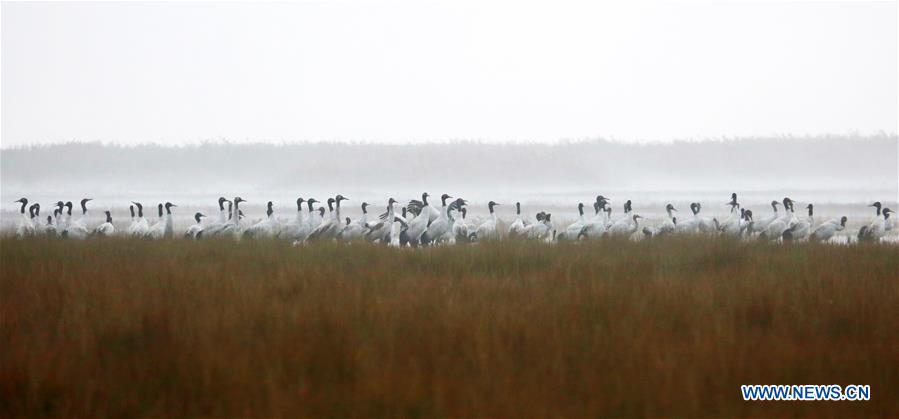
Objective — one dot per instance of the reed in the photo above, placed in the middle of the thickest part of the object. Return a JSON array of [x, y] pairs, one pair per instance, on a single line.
[[673, 327]]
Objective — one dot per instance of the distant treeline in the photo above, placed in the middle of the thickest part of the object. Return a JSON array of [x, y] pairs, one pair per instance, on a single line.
[[806, 162]]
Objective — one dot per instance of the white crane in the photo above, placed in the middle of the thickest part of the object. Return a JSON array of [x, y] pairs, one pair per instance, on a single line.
[[542, 230], [877, 229], [383, 230], [454, 210], [827, 229], [195, 231], [84, 213], [327, 224], [801, 228], [595, 227], [233, 225], [338, 218], [733, 225], [625, 229], [169, 230], [77, 229], [487, 230], [355, 229], [418, 224], [462, 229], [625, 223], [66, 217], [668, 226], [157, 230], [35, 211], [267, 227], [877, 205], [517, 226], [437, 228], [417, 207], [624, 218], [57, 218], [312, 221], [746, 223], [529, 226], [775, 230], [762, 224], [575, 230], [690, 225], [400, 225], [330, 226], [228, 226], [223, 213], [863, 232], [141, 226], [49, 229], [105, 229], [320, 217], [706, 224], [26, 226], [293, 227], [215, 227], [315, 219], [133, 219]]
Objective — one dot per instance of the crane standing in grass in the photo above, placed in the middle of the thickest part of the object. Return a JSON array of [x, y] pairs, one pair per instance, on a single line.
[[417, 226]]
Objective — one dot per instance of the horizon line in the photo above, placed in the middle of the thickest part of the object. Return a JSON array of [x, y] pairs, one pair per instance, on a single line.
[[881, 134]]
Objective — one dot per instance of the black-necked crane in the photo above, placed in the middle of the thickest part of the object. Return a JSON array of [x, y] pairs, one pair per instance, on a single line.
[[828, 229], [801, 227], [437, 228], [25, 227], [878, 228], [105, 229], [487, 230], [195, 231]]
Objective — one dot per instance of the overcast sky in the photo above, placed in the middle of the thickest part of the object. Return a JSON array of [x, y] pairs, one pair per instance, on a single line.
[[395, 71]]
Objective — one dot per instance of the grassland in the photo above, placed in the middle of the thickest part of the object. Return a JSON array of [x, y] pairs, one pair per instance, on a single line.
[[126, 328]]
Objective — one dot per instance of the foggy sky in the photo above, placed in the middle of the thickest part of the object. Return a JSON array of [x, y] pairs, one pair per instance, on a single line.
[[409, 71]]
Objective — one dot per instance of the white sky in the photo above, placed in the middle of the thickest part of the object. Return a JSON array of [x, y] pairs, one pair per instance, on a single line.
[[395, 71]]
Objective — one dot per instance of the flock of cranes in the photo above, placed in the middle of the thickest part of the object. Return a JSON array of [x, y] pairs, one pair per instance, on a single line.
[[419, 223]]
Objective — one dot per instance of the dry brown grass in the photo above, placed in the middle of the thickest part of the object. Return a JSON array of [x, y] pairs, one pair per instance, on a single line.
[[673, 327]]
